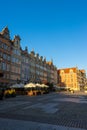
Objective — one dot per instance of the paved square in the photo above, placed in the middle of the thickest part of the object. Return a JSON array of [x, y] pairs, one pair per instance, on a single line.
[[60, 109]]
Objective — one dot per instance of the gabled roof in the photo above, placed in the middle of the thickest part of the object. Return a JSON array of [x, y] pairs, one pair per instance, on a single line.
[[67, 70]]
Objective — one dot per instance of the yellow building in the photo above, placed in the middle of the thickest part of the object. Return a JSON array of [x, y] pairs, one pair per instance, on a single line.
[[72, 78]]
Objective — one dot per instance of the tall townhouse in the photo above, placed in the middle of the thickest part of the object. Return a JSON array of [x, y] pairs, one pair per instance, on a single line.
[[5, 57], [32, 66], [86, 82], [17, 65], [55, 76], [72, 78], [37, 78], [51, 72], [41, 69], [81, 79], [44, 71], [15, 61], [25, 66], [38, 68]]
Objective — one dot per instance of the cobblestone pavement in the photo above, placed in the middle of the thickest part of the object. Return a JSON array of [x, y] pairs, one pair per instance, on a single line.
[[60, 109]]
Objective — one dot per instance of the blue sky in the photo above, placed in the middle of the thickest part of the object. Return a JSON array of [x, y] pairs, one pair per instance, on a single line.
[[56, 29]]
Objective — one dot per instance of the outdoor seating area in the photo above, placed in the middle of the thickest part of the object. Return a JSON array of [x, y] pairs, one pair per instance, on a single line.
[[30, 89]]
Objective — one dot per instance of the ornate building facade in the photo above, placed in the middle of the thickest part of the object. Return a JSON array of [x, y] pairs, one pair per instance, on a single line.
[[18, 65], [72, 78], [5, 56], [25, 65], [15, 60], [38, 69]]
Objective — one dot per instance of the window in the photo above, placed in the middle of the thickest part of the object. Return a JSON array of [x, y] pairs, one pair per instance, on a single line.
[[8, 48], [4, 56], [71, 80], [0, 44], [8, 57], [1, 54], [4, 66], [5, 46], [17, 52], [12, 59], [8, 67]]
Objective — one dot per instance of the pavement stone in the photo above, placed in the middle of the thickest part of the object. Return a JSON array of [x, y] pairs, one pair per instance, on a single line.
[[9, 124], [63, 111]]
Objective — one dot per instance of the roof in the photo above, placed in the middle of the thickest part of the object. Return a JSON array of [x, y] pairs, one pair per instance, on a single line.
[[67, 70]]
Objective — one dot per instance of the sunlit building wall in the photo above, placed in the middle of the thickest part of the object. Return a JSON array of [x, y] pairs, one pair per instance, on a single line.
[[72, 78]]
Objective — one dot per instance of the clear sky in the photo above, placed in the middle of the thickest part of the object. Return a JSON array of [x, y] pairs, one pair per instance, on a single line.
[[56, 29]]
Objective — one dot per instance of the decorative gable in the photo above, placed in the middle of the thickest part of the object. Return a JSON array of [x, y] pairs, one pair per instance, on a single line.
[[5, 33], [17, 41]]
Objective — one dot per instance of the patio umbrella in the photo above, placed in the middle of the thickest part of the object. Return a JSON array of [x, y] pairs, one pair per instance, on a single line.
[[38, 85], [17, 86], [43, 85], [30, 85]]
